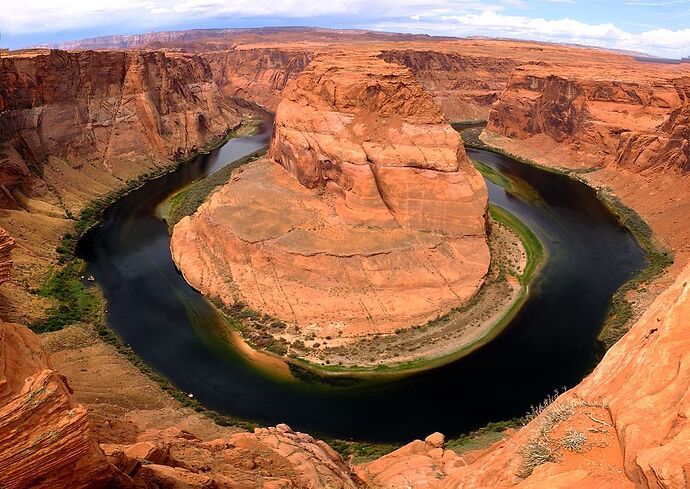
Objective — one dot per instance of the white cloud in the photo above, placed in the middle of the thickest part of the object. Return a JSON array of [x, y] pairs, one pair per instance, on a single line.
[[492, 23], [446, 17]]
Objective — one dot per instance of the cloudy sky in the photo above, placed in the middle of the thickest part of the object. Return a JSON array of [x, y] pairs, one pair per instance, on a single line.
[[658, 27]]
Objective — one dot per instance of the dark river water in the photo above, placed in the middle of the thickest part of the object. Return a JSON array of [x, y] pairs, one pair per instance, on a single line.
[[550, 344]]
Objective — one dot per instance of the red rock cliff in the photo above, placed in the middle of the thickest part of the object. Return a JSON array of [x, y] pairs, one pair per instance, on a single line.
[[45, 439], [463, 86], [257, 74], [77, 123], [6, 245], [593, 117]]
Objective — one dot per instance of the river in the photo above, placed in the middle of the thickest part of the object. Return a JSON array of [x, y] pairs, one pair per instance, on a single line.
[[550, 344]]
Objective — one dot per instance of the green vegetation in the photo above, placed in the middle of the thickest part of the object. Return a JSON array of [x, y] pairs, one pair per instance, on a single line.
[[187, 201], [534, 249], [492, 175], [76, 303], [361, 452], [658, 260], [482, 437]]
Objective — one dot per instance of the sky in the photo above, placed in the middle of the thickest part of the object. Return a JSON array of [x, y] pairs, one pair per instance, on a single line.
[[656, 27]]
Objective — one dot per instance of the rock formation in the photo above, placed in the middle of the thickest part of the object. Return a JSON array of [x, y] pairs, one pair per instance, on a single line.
[[267, 458], [75, 125], [45, 439], [6, 246], [257, 74], [463, 86], [584, 119], [374, 222], [632, 409]]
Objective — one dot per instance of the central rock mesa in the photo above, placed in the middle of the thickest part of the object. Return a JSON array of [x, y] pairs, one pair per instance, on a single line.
[[372, 219]]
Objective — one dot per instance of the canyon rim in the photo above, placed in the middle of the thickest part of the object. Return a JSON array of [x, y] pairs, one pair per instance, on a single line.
[[365, 217]]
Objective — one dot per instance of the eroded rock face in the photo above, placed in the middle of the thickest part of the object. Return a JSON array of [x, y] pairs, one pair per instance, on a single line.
[[80, 123], [257, 74], [463, 86], [633, 410], [593, 120], [6, 245], [373, 218], [269, 458], [366, 130], [45, 439]]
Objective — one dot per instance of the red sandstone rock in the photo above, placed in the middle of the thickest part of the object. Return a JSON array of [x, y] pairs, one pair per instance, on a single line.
[[584, 117], [91, 119], [379, 223], [6, 246], [45, 439]]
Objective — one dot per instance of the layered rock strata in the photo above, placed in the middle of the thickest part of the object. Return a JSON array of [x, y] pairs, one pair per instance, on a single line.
[[373, 218], [45, 438], [77, 124], [6, 246], [632, 411], [587, 120]]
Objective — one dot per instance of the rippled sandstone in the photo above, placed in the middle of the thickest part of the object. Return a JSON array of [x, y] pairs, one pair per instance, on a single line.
[[371, 220], [45, 437]]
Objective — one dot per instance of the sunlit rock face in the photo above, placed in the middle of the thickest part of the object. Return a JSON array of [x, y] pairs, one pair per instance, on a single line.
[[366, 217]]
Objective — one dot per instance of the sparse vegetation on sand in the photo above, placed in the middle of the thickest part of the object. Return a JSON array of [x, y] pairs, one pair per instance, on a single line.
[[542, 446]]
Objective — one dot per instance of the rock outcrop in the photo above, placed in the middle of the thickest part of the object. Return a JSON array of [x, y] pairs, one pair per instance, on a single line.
[[632, 411], [585, 119], [45, 438], [6, 246], [372, 220], [257, 74], [463, 86], [268, 458], [77, 124]]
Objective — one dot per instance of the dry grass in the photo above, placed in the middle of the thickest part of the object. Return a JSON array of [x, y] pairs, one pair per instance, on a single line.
[[541, 448]]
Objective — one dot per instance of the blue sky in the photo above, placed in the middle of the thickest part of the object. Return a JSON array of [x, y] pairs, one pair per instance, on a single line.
[[659, 27]]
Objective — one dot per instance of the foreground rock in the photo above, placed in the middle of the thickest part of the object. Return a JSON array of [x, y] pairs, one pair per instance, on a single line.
[[372, 220], [269, 458], [632, 411], [45, 438]]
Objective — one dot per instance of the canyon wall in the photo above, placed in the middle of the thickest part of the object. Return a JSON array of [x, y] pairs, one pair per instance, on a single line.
[[632, 410], [257, 74], [576, 115], [75, 125], [372, 219], [463, 86], [6, 246]]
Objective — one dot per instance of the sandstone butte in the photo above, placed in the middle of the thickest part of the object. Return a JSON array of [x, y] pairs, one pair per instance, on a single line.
[[637, 111], [366, 217]]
